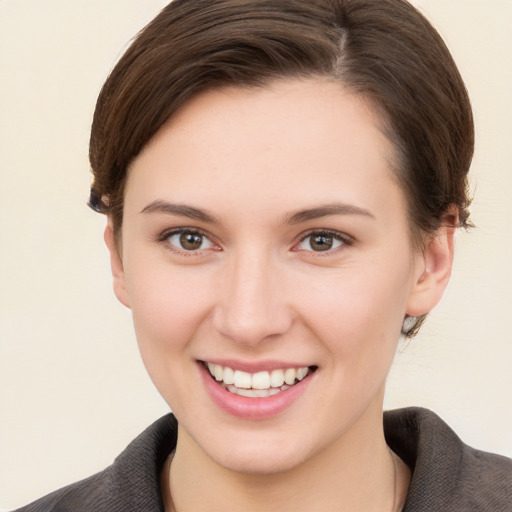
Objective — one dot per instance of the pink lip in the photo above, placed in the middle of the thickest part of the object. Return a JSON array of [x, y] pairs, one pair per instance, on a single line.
[[252, 408]]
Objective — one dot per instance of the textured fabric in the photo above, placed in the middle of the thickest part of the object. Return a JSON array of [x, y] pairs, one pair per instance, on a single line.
[[447, 475]]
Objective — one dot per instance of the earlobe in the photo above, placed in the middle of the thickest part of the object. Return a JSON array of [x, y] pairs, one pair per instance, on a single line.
[[434, 268], [116, 265]]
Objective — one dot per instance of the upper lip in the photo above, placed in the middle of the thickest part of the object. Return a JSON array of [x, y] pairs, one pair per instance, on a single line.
[[256, 366]]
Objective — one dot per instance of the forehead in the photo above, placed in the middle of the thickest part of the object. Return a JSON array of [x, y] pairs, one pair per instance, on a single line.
[[291, 141]]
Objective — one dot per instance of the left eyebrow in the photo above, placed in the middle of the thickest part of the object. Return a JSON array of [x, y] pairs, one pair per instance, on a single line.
[[326, 210], [181, 210]]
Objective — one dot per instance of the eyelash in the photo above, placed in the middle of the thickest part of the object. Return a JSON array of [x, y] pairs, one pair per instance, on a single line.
[[345, 240], [166, 235]]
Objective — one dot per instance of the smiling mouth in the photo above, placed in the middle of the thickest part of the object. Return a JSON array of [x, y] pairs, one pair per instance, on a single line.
[[257, 385]]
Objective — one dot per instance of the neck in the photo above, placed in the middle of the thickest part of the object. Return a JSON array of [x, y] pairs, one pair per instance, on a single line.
[[358, 473]]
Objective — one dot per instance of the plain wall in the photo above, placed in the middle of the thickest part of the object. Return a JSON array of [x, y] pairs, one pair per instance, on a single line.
[[73, 391]]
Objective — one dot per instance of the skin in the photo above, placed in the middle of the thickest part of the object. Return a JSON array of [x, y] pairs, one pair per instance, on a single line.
[[256, 291]]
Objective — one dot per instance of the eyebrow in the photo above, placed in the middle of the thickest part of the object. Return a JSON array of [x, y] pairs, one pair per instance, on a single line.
[[183, 210], [326, 210], [297, 217]]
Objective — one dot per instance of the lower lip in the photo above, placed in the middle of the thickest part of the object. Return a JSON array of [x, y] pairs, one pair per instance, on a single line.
[[252, 408]]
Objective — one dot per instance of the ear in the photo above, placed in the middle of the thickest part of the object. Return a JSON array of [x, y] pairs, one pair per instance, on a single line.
[[116, 264], [433, 267]]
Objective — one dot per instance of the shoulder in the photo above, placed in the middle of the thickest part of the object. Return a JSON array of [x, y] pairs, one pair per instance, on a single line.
[[446, 473], [131, 483]]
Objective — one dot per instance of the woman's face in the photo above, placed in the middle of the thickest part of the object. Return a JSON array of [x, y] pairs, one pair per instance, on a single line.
[[264, 233]]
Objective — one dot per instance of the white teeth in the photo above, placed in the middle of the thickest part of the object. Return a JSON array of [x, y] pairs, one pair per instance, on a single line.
[[261, 380], [229, 375], [259, 384], [289, 376], [219, 372], [246, 392], [242, 379], [256, 393], [260, 393], [301, 373], [277, 378]]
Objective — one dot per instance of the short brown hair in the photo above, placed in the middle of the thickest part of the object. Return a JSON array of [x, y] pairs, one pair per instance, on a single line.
[[384, 50]]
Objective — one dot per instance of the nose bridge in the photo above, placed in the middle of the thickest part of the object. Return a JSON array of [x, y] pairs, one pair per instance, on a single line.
[[253, 304]]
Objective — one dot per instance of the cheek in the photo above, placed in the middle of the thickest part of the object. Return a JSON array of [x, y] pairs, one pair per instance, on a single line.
[[358, 312], [167, 307], [168, 310]]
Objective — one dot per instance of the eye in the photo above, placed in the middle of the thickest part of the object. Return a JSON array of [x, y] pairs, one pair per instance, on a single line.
[[322, 241], [188, 240]]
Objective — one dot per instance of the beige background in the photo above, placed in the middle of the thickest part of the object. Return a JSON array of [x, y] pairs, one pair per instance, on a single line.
[[73, 391]]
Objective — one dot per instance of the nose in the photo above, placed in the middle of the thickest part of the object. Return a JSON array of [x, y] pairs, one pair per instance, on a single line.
[[253, 305]]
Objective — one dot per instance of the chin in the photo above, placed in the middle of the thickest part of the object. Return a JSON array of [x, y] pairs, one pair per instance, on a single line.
[[263, 453], [260, 462]]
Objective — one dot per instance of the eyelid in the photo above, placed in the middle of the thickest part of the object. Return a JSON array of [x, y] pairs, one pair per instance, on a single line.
[[347, 240], [163, 238]]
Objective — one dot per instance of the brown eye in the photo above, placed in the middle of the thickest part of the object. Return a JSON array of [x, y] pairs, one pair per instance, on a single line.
[[322, 242], [189, 241]]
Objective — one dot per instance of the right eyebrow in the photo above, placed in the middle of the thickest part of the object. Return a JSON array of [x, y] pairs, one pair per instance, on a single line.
[[325, 211], [183, 210]]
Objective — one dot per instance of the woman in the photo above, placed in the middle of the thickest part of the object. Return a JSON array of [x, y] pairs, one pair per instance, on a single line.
[[282, 182]]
